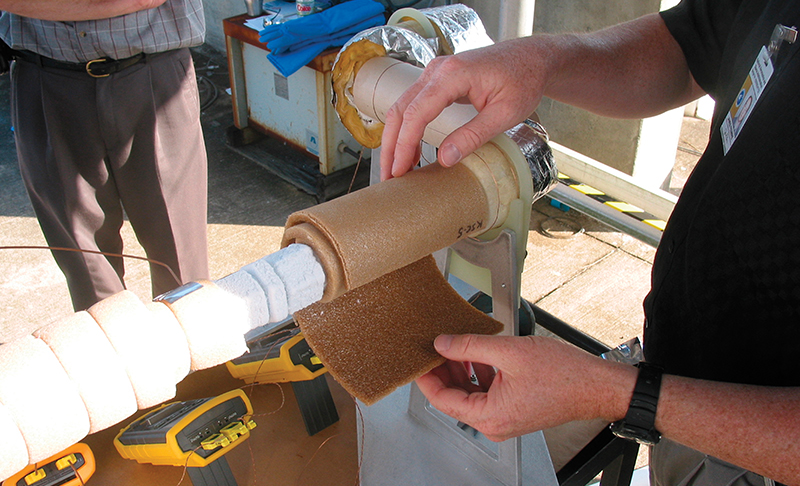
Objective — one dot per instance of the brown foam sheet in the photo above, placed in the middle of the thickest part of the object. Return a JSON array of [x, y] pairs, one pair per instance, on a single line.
[[379, 336]]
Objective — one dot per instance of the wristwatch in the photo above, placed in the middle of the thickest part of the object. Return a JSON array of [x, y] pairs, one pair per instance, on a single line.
[[639, 423]]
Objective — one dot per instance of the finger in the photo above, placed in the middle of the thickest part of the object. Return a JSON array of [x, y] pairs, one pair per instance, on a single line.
[[488, 350], [455, 402], [488, 123]]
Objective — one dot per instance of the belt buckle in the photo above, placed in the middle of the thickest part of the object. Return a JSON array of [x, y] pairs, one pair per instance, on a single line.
[[89, 69]]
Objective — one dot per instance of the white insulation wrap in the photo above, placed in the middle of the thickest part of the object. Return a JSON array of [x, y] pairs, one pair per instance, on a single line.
[[241, 284], [273, 288], [301, 273]]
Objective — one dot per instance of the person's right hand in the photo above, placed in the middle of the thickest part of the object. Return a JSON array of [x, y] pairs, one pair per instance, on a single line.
[[504, 82], [539, 383]]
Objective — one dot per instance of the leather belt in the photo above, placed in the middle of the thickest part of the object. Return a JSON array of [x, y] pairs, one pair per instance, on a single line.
[[96, 68]]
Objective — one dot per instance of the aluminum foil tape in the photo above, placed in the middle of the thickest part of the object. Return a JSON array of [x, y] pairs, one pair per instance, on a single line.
[[531, 138], [459, 27]]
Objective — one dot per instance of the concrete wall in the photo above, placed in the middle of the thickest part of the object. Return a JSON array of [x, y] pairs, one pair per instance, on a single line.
[[216, 11], [642, 148]]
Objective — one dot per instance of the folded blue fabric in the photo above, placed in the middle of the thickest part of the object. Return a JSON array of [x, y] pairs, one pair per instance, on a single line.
[[289, 62], [281, 37]]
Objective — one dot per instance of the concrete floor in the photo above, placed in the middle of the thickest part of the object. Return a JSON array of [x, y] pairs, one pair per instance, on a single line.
[[594, 279]]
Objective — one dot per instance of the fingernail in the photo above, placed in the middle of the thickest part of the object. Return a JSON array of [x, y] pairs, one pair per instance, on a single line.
[[442, 343], [449, 155]]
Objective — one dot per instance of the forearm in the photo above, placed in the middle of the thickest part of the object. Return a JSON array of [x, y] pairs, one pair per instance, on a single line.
[[757, 428], [76, 10], [631, 70]]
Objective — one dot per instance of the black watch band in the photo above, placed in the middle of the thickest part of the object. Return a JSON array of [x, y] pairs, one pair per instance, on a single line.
[[639, 422]]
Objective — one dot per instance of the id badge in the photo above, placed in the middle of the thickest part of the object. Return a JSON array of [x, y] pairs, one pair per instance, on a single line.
[[746, 98]]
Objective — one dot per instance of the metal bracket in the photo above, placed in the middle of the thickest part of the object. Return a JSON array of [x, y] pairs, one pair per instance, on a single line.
[[502, 460]]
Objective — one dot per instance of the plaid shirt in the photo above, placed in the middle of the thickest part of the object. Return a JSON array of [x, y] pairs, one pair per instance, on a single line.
[[173, 25]]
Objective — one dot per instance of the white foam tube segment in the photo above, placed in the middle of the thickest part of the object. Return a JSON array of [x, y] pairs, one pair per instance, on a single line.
[[272, 287], [13, 448], [40, 398], [93, 365], [213, 320], [136, 337]]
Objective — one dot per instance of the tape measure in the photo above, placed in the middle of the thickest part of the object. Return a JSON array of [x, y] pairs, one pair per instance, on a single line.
[[281, 357], [71, 467], [194, 433]]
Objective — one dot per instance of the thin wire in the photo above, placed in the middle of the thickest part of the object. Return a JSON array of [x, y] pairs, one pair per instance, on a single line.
[[94, 252], [77, 474], [355, 172], [313, 456]]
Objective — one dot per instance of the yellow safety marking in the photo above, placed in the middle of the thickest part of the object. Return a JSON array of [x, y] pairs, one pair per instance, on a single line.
[[658, 224], [66, 462], [624, 207], [36, 475], [588, 190]]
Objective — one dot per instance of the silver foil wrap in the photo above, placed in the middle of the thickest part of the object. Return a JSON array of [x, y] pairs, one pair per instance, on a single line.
[[531, 138], [460, 26]]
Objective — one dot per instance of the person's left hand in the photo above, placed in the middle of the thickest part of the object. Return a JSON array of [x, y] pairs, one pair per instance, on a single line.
[[539, 383]]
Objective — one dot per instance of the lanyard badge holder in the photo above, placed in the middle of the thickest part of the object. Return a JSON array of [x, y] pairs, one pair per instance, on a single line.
[[753, 86]]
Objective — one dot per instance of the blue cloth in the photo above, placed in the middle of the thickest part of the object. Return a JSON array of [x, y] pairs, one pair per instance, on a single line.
[[295, 43]]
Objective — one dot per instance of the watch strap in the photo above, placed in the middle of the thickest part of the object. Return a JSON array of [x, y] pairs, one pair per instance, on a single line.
[[639, 422]]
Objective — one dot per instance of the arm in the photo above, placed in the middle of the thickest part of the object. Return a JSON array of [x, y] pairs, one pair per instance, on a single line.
[[76, 10], [636, 69], [542, 382]]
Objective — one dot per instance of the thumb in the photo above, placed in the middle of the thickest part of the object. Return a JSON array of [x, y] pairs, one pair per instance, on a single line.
[[476, 348]]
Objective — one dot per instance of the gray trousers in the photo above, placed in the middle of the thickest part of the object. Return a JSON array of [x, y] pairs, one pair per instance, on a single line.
[[672, 464], [93, 149]]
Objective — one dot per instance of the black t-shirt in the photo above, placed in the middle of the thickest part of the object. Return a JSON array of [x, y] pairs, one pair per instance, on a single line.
[[725, 302]]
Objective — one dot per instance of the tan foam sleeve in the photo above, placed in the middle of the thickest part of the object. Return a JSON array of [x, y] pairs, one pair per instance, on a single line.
[[380, 336], [381, 228]]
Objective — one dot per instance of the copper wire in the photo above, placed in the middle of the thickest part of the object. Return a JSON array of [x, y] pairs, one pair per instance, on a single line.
[[94, 252]]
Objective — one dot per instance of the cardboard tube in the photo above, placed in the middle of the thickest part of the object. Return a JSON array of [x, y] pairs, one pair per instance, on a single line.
[[384, 227], [382, 80]]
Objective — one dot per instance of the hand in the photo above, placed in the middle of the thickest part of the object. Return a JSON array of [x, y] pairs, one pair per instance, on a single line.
[[540, 383], [504, 83]]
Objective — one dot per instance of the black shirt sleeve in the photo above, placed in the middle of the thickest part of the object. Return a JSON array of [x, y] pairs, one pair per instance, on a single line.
[[703, 30]]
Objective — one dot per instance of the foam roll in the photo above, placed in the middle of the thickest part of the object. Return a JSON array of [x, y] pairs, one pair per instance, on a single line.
[[396, 224], [213, 321], [40, 397], [93, 365], [272, 286], [243, 286], [175, 347], [136, 337], [13, 448], [301, 273]]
